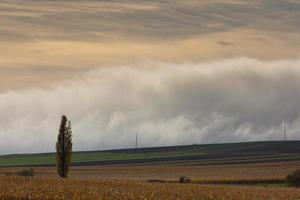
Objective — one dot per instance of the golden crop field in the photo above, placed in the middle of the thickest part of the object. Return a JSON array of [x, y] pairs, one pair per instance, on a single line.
[[42, 188]]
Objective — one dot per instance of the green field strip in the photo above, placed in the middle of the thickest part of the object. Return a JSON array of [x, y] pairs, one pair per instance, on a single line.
[[88, 157], [228, 160], [200, 154]]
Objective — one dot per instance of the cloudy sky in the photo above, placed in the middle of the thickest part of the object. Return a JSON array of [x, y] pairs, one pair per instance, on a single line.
[[176, 72]]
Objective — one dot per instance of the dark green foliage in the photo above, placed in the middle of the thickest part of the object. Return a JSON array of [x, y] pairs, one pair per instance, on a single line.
[[64, 148], [26, 172], [184, 179], [294, 178]]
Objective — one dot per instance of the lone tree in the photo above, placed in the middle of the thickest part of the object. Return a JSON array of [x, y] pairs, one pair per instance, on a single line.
[[64, 147]]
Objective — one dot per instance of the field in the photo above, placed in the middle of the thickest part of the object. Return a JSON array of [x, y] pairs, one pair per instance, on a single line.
[[221, 171], [51, 188], [236, 153]]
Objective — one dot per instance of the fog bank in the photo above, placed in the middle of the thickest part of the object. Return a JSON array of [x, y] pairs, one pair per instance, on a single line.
[[231, 100]]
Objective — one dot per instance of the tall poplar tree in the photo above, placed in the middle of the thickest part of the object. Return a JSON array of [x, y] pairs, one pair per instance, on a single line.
[[64, 147]]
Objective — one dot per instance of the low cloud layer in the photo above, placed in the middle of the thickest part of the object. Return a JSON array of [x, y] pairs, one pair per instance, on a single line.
[[231, 100]]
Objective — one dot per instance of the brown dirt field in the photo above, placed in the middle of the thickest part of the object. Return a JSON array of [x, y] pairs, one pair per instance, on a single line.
[[160, 172], [130, 182]]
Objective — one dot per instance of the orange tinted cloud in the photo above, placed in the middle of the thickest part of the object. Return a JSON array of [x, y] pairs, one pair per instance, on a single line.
[[54, 40]]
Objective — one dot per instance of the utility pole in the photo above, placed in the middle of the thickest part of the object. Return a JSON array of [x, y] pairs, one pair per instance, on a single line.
[[284, 131], [136, 141]]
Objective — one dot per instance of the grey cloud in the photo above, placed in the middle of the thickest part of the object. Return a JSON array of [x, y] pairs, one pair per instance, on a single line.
[[167, 104]]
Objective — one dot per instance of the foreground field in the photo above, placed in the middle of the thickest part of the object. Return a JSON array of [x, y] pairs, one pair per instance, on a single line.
[[245, 171], [54, 188]]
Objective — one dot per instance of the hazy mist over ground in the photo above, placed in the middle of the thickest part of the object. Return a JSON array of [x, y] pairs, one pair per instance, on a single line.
[[176, 72]]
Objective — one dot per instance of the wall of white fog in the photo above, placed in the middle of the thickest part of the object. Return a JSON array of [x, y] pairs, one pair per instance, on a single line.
[[231, 100]]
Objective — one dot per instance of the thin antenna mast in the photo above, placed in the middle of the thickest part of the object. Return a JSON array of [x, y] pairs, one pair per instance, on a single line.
[[136, 141], [284, 132]]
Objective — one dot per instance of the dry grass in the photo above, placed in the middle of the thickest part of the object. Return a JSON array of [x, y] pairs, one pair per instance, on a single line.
[[54, 188], [130, 182]]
